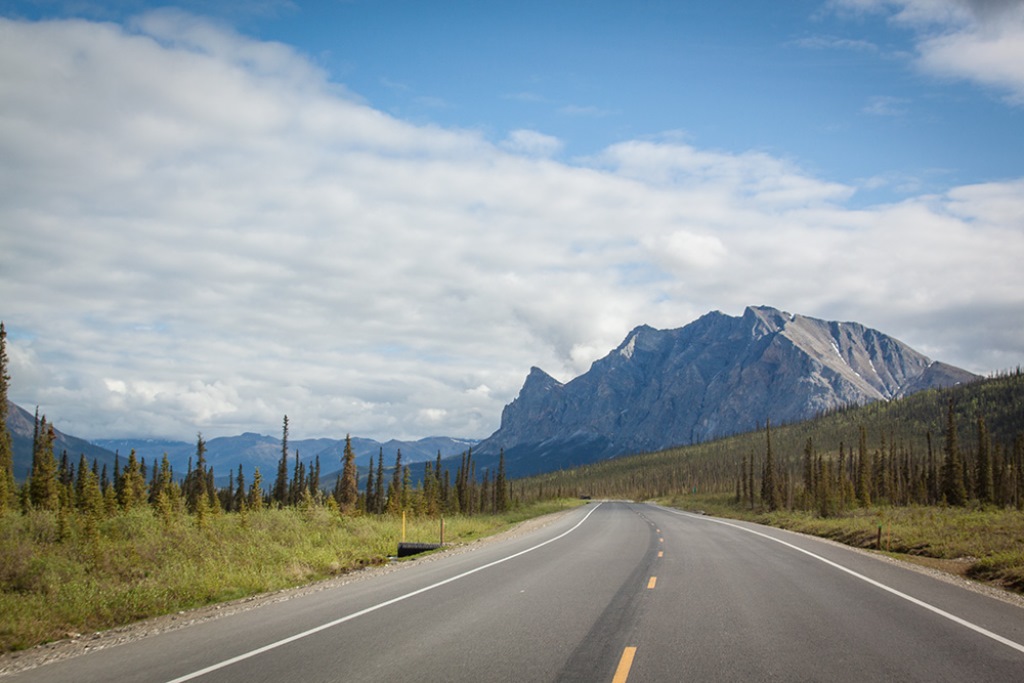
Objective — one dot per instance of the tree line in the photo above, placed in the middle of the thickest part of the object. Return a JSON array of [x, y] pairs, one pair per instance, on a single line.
[[958, 446], [61, 485]]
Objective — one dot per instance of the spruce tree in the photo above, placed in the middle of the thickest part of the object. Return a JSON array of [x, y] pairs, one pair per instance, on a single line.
[[132, 491], [501, 485], [279, 494], [394, 505], [953, 489], [371, 502], [8, 488], [984, 475], [809, 472], [769, 487], [197, 496], [256, 491], [313, 481], [378, 493], [349, 493], [42, 487], [863, 483], [240, 493]]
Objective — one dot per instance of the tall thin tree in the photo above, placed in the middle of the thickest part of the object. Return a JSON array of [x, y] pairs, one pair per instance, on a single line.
[[349, 493]]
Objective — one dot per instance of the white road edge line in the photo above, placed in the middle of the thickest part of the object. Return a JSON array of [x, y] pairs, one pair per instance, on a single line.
[[932, 608], [373, 608]]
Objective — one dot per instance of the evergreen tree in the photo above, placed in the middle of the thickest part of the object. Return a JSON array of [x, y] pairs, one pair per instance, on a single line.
[[314, 479], [256, 491], [167, 498], [394, 505], [934, 481], [196, 495], [132, 490], [501, 485], [953, 489], [769, 487], [239, 503], [371, 501], [298, 481], [429, 489], [809, 472], [378, 494], [750, 481], [42, 487], [279, 494], [863, 482], [349, 493], [984, 475], [8, 487], [90, 502], [405, 495]]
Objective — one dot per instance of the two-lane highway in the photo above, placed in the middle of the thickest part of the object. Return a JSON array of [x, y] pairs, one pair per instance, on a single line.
[[609, 591]]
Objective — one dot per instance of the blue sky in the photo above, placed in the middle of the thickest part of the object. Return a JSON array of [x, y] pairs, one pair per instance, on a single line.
[[376, 216]]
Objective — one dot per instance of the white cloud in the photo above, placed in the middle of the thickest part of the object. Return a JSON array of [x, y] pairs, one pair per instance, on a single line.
[[976, 40], [203, 233], [532, 143]]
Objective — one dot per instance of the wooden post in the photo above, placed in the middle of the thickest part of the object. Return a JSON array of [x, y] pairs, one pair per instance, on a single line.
[[442, 531], [403, 527], [878, 544]]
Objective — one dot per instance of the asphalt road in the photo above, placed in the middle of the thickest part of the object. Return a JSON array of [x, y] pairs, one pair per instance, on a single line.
[[610, 591]]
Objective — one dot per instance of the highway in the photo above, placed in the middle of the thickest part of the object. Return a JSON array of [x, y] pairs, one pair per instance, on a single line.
[[606, 592]]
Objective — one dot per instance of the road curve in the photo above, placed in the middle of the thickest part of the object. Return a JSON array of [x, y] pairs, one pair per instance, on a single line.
[[607, 592]]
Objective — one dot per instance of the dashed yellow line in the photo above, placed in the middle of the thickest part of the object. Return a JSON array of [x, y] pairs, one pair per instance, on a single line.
[[661, 553], [650, 583], [622, 671]]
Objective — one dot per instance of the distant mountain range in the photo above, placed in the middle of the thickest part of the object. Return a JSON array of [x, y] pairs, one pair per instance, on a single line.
[[224, 454], [717, 376], [251, 450]]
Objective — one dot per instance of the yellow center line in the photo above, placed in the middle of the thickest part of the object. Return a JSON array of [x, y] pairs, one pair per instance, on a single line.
[[661, 553], [622, 672], [653, 580]]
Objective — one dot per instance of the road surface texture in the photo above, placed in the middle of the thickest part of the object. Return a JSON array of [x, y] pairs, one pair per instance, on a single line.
[[607, 592]]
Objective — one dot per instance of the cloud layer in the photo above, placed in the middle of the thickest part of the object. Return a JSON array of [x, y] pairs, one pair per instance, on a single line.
[[202, 232]]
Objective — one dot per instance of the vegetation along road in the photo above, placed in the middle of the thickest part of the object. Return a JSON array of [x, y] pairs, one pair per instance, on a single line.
[[607, 591]]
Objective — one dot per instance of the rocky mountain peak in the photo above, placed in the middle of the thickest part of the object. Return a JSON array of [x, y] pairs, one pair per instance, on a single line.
[[717, 376]]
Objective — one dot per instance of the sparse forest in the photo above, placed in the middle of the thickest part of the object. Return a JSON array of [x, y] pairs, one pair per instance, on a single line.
[[951, 447]]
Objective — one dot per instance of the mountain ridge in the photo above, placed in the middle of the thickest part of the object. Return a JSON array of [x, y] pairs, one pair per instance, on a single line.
[[717, 376]]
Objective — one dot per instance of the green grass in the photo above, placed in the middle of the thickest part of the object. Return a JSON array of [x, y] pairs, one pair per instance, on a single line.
[[984, 543], [138, 566]]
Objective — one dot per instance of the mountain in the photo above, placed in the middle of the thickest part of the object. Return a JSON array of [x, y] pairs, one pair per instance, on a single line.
[[252, 450], [717, 376], [21, 425]]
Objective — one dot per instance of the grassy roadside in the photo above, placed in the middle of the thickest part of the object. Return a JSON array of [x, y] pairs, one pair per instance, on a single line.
[[986, 544], [138, 566]]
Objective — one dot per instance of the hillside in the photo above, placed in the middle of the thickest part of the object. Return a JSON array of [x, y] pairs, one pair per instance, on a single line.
[[21, 426], [897, 435]]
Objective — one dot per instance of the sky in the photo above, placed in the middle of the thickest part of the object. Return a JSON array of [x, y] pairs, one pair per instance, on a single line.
[[376, 216]]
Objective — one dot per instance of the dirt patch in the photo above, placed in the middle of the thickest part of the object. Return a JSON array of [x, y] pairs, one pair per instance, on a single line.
[[958, 567]]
